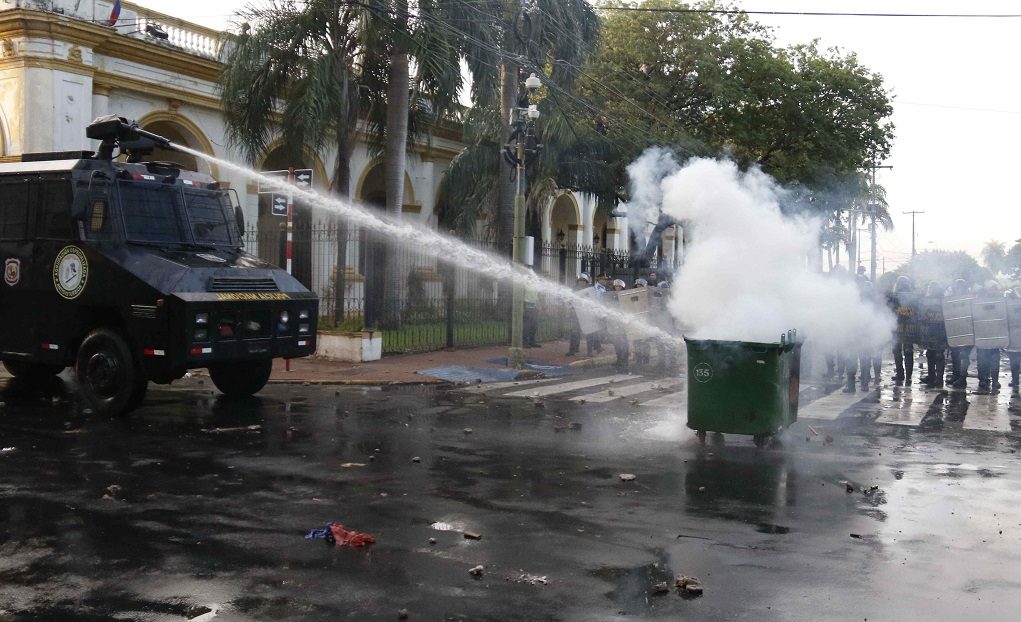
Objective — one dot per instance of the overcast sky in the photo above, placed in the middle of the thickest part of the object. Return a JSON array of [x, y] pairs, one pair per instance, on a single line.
[[957, 107]]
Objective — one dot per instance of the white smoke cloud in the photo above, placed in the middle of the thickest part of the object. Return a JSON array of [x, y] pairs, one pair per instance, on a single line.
[[646, 194], [746, 276]]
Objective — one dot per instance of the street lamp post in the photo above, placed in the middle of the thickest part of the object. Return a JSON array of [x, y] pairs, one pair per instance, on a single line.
[[524, 129]]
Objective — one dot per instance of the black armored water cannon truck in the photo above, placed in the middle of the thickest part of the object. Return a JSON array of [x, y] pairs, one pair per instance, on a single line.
[[133, 271]]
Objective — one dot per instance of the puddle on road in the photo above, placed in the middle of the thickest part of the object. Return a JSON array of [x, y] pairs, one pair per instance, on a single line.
[[633, 587]]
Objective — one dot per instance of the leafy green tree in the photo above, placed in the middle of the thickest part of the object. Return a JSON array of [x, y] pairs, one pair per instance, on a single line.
[[994, 256], [944, 267]]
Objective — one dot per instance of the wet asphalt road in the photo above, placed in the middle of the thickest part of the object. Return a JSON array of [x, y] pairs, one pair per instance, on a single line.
[[174, 510]]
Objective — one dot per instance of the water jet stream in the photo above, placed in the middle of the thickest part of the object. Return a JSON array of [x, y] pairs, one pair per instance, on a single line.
[[450, 249]]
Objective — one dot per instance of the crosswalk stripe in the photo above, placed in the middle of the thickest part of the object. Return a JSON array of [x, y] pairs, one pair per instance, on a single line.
[[905, 406], [831, 406], [680, 398], [569, 386], [496, 386], [625, 391], [986, 412]]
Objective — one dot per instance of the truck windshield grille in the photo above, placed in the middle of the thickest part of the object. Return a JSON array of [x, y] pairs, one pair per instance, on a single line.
[[242, 284]]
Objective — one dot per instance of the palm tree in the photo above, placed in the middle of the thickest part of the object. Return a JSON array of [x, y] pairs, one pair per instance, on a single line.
[[295, 75], [994, 255], [550, 38]]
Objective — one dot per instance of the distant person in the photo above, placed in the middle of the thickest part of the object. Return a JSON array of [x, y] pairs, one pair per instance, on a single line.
[[960, 357], [618, 332], [903, 350], [988, 359], [574, 334], [653, 279], [530, 318], [1013, 350], [643, 347], [932, 335]]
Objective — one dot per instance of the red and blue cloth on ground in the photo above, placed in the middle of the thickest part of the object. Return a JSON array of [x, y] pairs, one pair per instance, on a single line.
[[335, 533]]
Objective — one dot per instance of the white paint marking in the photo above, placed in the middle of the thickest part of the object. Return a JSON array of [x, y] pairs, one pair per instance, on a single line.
[[830, 407], [570, 386], [616, 393], [987, 412], [486, 387], [905, 406]]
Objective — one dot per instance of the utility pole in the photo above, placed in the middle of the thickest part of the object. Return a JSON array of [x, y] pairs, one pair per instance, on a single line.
[[872, 224], [913, 213], [524, 133]]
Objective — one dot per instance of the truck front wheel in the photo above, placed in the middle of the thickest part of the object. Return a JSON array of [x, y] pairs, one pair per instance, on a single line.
[[243, 378], [110, 379]]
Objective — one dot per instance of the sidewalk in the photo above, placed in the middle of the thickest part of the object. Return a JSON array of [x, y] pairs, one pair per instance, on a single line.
[[403, 368]]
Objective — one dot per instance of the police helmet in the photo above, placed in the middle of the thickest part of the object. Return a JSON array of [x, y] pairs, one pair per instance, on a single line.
[[664, 284], [960, 286], [903, 284], [932, 288], [618, 284], [585, 277], [641, 283]]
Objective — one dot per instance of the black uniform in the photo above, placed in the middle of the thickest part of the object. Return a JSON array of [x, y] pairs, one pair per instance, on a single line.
[[932, 335], [902, 301]]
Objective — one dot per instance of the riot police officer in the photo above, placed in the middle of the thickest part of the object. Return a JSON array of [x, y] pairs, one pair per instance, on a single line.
[[988, 359], [960, 356], [1014, 349], [932, 335], [901, 302]]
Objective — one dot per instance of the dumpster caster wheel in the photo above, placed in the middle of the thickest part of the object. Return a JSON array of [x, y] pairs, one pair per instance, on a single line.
[[701, 436], [761, 440], [719, 440]]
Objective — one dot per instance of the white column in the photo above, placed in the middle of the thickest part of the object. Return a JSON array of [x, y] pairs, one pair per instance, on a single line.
[[100, 101]]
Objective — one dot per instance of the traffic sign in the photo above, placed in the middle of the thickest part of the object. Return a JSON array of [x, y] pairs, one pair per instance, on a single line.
[[302, 179], [279, 205]]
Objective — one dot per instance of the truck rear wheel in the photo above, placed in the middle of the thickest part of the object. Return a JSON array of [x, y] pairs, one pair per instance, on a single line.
[[110, 379], [243, 378], [32, 371]]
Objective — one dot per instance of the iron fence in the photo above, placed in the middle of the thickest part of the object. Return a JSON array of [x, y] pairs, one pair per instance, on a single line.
[[431, 304]]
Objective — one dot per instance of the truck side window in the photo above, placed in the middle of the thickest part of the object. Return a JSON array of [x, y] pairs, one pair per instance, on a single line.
[[98, 222], [13, 210], [53, 200]]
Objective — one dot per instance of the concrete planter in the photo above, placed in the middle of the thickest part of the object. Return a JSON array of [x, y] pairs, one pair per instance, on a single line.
[[351, 347]]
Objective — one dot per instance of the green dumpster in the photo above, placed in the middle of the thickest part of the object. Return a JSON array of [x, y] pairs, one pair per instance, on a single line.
[[737, 387]]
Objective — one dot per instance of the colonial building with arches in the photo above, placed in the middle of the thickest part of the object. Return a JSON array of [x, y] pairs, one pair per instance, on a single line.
[[62, 65]]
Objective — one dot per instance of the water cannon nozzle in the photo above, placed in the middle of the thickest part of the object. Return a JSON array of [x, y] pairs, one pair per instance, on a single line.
[[114, 131]]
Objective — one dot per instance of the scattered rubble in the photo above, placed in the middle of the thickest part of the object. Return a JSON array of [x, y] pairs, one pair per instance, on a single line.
[[416, 459], [471, 535], [402, 614], [627, 477], [468, 430], [477, 571], [243, 428], [196, 611], [828, 440], [531, 579], [661, 588], [849, 487], [432, 540], [351, 465], [689, 585], [7, 450], [856, 536]]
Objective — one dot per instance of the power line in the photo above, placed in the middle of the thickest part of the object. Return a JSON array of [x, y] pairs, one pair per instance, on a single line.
[[808, 13]]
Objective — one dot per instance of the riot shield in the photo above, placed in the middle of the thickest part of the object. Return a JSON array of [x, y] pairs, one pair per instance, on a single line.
[[633, 303], [588, 320], [906, 308], [958, 321], [990, 317], [1014, 322], [659, 314], [932, 332]]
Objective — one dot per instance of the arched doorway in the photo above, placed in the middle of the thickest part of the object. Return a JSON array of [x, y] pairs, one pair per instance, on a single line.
[[564, 218], [380, 259], [272, 228]]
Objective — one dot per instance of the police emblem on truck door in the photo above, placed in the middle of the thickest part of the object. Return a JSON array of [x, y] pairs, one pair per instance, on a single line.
[[12, 271], [70, 272]]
